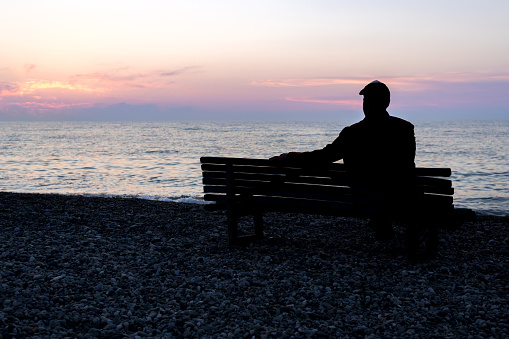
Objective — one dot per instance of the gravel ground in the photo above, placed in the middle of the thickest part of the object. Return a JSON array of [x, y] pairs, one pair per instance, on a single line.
[[76, 267]]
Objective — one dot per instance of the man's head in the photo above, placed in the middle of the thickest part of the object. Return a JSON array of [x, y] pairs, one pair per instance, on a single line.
[[376, 97]]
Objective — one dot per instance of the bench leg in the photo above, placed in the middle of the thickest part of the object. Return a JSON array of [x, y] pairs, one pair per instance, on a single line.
[[433, 240], [421, 243], [258, 223], [232, 222]]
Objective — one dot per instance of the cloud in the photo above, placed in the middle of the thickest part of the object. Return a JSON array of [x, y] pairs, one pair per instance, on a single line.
[[29, 67], [8, 87], [110, 76], [35, 97], [44, 109], [34, 106], [125, 77], [348, 104], [39, 95], [177, 72], [307, 82], [31, 86], [452, 90], [408, 82]]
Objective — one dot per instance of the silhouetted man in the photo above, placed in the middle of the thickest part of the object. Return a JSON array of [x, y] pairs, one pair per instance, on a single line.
[[378, 153]]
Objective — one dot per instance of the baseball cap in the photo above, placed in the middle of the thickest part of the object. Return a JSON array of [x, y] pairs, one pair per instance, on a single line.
[[375, 88]]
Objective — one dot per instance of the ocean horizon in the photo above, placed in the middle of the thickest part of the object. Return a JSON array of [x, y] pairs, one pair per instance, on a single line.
[[160, 160]]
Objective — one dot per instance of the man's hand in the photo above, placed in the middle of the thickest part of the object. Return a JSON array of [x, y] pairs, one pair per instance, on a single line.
[[280, 157], [285, 156]]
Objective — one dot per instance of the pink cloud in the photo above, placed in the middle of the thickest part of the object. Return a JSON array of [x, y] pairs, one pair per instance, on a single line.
[[29, 67], [444, 90], [178, 71], [41, 108], [349, 104], [7, 88], [40, 95], [122, 77], [417, 81], [306, 82], [37, 106]]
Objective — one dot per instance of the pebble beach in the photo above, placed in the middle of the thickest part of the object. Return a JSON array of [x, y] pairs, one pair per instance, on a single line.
[[91, 267]]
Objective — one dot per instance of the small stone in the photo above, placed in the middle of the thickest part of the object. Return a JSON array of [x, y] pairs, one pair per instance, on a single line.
[[58, 277]]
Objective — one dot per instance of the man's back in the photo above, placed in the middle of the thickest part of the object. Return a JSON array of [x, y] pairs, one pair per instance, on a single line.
[[385, 142], [379, 156]]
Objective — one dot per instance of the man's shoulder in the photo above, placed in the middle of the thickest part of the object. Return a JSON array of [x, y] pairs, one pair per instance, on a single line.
[[402, 122], [358, 124], [389, 119]]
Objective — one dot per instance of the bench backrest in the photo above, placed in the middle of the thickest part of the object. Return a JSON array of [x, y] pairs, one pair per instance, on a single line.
[[274, 183]]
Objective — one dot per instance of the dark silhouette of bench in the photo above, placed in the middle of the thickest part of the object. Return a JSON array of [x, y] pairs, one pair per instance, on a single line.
[[254, 186]]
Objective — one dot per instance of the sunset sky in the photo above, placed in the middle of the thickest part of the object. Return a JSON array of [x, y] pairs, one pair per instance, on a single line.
[[263, 59]]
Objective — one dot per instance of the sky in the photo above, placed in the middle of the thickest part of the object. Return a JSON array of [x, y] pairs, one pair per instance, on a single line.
[[251, 60]]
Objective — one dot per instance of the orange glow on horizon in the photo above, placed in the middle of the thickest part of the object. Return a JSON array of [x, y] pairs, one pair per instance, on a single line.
[[41, 96], [31, 86]]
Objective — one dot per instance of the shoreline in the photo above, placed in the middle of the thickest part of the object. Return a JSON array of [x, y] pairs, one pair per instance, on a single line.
[[188, 199], [77, 266]]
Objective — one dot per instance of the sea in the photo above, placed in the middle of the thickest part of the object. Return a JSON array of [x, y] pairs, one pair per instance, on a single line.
[[161, 160]]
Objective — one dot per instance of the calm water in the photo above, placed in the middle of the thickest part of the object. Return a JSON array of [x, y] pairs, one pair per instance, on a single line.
[[161, 160]]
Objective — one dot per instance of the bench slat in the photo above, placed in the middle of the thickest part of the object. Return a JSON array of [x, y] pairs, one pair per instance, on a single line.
[[288, 171], [313, 193], [219, 184], [273, 203], [433, 172], [257, 162], [221, 161], [274, 179], [437, 182], [435, 190], [332, 195], [262, 188], [212, 178], [324, 178], [322, 196], [294, 187]]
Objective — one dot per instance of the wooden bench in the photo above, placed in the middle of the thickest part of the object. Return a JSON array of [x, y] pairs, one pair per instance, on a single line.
[[254, 186]]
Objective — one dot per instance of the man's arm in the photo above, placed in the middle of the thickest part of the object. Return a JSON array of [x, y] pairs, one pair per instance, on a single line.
[[329, 154]]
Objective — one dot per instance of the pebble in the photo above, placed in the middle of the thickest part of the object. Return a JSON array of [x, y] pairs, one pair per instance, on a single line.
[[73, 266]]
